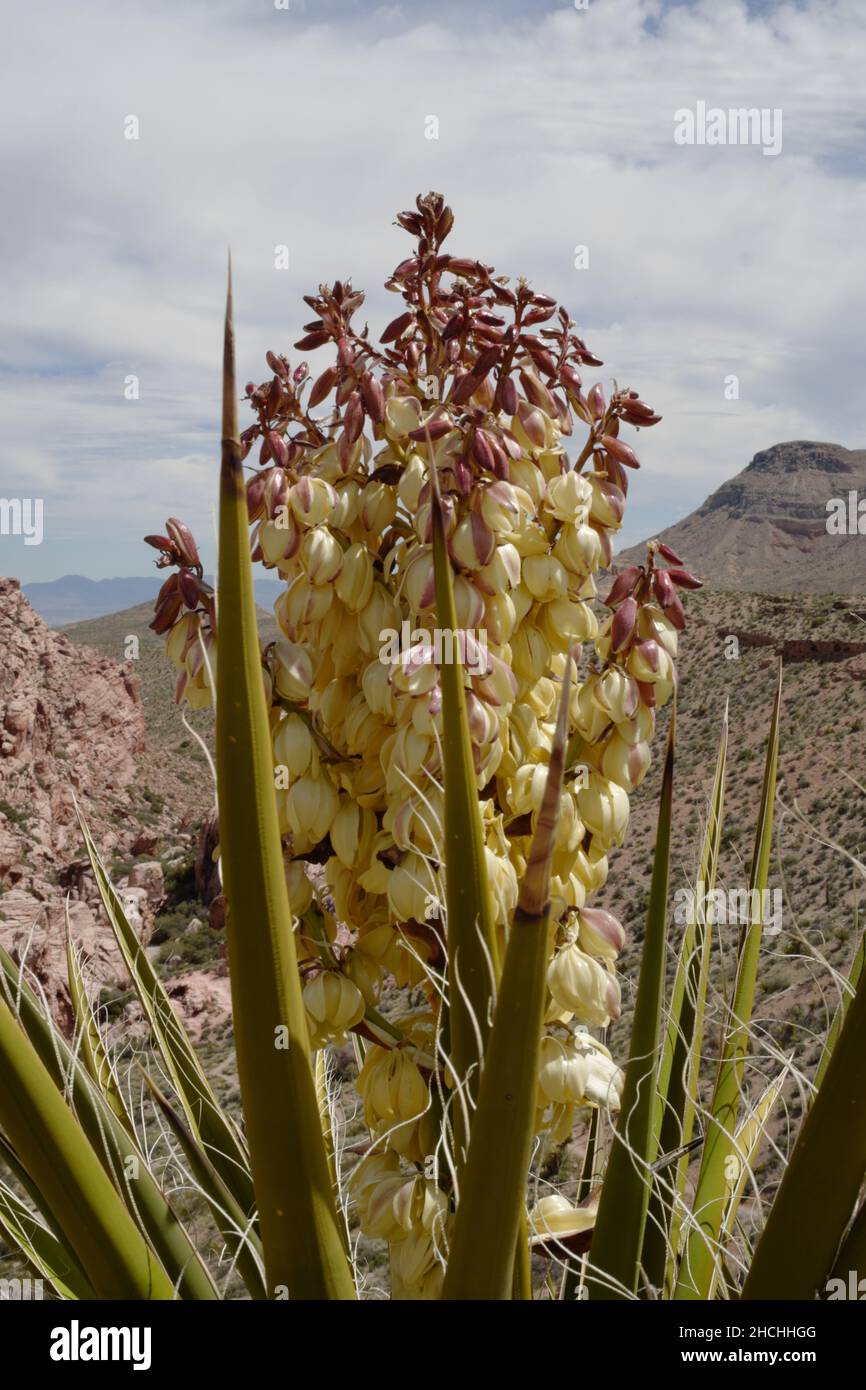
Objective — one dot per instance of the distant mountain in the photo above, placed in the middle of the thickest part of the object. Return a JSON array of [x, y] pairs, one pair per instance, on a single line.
[[766, 529], [75, 599]]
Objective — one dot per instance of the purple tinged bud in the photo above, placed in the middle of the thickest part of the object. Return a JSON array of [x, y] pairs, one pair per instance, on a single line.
[[278, 449], [188, 585], [664, 589], [622, 585], [396, 327], [353, 417], [184, 542], [322, 387], [623, 625], [596, 402], [622, 452], [508, 395], [313, 340], [684, 579], [374, 397]]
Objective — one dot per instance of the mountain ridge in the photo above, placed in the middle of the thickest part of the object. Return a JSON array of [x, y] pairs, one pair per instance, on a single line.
[[766, 529]]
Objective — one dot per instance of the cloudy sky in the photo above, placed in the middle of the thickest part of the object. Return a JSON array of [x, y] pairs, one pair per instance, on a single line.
[[307, 126]]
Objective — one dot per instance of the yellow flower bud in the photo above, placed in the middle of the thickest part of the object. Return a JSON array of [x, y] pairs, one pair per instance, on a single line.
[[312, 500], [311, 805], [345, 511], [530, 653], [411, 482], [376, 685], [352, 834], [616, 694], [544, 577], [578, 548], [565, 621], [354, 583], [625, 763], [568, 498], [402, 415], [279, 539], [502, 572], [303, 603], [183, 631], [554, 1216], [391, 1086], [333, 1005], [412, 889], [321, 555], [562, 1073], [293, 745], [578, 983], [653, 624], [378, 507], [604, 808]]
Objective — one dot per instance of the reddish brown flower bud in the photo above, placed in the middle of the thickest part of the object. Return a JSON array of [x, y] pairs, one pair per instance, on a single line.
[[669, 554], [345, 353], [463, 388], [277, 364], [255, 497], [167, 613], [623, 625], [536, 392], [622, 585], [507, 395], [647, 693], [453, 327], [462, 476], [353, 417], [615, 471], [482, 451], [184, 542], [676, 613], [433, 429], [596, 401], [313, 340], [570, 378], [684, 579], [374, 397], [158, 542], [396, 327], [459, 265], [278, 448], [532, 423], [622, 452], [322, 387], [664, 589], [189, 590]]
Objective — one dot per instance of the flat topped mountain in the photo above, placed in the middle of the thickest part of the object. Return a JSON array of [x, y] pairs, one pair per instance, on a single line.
[[766, 529]]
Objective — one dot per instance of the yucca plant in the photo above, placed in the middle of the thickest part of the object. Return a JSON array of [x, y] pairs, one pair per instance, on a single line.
[[429, 731]]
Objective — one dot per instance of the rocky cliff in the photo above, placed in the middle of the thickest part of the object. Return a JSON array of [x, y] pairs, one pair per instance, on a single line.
[[766, 530], [71, 729]]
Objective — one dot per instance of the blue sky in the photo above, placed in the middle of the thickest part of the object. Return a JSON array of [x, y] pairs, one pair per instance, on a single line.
[[306, 127]]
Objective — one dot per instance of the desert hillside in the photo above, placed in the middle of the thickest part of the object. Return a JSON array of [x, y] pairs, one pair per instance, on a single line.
[[766, 529]]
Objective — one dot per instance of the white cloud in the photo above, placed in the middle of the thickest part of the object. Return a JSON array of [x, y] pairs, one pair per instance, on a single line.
[[307, 127]]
